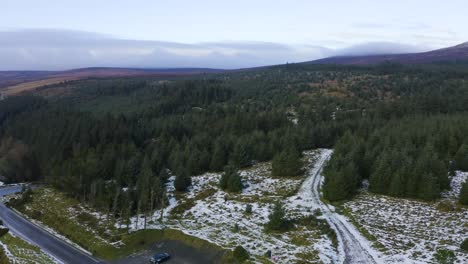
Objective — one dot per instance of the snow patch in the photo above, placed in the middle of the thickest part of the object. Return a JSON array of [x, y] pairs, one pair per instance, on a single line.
[[411, 231], [220, 217], [456, 183]]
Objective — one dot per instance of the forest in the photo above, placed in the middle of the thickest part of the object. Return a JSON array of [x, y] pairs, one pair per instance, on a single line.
[[113, 143]]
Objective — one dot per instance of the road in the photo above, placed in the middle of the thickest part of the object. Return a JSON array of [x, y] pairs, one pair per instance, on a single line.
[[60, 250], [353, 247]]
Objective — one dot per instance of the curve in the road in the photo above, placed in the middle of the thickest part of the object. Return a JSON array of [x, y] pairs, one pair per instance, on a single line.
[[353, 248], [60, 250]]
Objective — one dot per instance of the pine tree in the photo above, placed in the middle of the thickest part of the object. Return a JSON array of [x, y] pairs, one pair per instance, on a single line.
[[235, 183], [277, 218], [231, 180], [242, 155], [464, 193], [380, 179], [163, 175], [182, 180], [461, 158], [430, 168], [219, 156], [287, 163], [144, 189]]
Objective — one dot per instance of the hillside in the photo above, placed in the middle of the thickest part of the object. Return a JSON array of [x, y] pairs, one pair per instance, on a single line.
[[214, 156], [455, 53], [14, 82]]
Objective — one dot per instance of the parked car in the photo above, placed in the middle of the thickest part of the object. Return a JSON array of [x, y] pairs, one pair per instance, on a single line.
[[160, 258]]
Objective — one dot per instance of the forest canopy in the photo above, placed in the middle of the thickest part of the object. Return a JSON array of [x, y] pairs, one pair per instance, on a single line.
[[113, 143]]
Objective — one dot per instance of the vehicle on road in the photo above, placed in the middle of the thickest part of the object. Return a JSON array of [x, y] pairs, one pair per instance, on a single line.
[[160, 258]]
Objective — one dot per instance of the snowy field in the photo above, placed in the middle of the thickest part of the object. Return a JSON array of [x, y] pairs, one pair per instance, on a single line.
[[19, 251], [412, 231], [407, 231], [219, 217]]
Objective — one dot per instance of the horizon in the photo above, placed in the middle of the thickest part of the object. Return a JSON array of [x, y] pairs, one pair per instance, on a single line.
[[217, 34]]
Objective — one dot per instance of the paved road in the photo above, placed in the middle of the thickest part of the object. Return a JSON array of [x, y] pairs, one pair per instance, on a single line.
[[50, 244], [353, 247], [5, 190]]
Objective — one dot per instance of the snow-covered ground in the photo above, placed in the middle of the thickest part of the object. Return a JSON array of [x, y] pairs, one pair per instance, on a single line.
[[412, 231], [219, 217], [456, 184], [19, 251]]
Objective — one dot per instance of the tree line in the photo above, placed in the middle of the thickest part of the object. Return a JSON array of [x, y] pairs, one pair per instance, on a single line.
[[409, 157]]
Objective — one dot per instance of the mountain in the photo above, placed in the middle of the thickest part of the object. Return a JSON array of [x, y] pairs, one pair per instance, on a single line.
[[455, 53]]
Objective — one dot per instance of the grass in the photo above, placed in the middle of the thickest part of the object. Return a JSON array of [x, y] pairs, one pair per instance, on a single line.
[[313, 223], [140, 240], [182, 207], [187, 204], [69, 218], [23, 252], [346, 212], [300, 240], [308, 257]]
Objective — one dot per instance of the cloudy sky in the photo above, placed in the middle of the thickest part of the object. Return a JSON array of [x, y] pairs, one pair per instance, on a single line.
[[64, 34]]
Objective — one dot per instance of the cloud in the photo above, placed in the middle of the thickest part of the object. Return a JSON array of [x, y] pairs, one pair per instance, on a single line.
[[374, 48], [39, 49]]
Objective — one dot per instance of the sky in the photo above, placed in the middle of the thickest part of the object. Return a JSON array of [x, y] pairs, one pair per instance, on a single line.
[[64, 34]]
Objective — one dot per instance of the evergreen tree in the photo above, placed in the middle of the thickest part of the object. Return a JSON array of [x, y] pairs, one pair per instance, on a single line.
[[430, 168], [381, 178], [461, 158], [464, 193], [277, 218], [182, 180], [240, 254], [231, 180], [163, 175], [242, 155], [334, 185], [248, 209], [287, 163], [219, 157], [144, 189]]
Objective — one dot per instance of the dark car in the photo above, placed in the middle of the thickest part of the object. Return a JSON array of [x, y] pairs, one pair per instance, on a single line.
[[160, 258]]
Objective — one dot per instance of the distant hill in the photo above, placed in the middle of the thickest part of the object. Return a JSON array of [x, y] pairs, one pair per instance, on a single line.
[[13, 82], [451, 54]]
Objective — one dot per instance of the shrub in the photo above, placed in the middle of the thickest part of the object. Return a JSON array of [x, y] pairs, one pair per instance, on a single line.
[[464, 245], [444, 256], [36, 214], [240, 254], [248, 209], [3, 258], [231, 180], [464, 193], [3, 231], [277, 219], [182, 180], [25, 197], [235, 229], [183, 207]]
